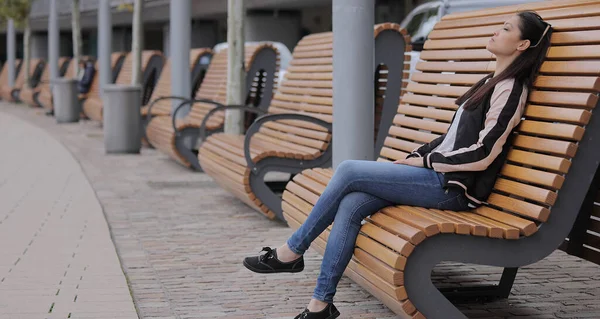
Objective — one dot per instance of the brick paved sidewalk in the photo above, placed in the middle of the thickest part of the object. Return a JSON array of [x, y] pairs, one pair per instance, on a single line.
[[57, 258], [181, 240]]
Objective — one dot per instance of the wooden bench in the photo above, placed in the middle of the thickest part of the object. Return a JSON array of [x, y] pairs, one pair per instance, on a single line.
[[549, 167], [160, 101], [297, 132], [151, 66], [44, 98], [4, 73], [10, 93], [178, 137], [29, 95]]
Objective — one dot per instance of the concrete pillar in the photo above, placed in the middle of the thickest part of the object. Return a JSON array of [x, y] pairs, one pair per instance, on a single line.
[[11, 47], [166, 41], [180, 26], [267, 25], [137, 45], [53, 41], [39, 46], [104, 42], [353, 89], [236, 74]]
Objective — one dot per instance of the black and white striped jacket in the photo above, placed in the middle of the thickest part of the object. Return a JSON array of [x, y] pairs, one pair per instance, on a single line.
[[473, 150]]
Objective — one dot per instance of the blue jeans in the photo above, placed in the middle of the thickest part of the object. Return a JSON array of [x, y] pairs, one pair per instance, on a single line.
[[357, 190]]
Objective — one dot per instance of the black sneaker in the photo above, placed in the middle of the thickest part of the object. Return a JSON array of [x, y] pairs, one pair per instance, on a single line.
[[330, 312], [269, 264]]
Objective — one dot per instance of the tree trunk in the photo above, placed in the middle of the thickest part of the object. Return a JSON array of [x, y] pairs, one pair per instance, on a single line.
[[76, 33], [27, 52], [137, 42]]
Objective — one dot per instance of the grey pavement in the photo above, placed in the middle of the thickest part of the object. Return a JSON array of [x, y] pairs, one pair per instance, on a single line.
[[58, 260], [181, 239]]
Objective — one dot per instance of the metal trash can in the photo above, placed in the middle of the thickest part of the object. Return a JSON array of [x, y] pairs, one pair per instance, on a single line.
[[66, 100], [121, 117]]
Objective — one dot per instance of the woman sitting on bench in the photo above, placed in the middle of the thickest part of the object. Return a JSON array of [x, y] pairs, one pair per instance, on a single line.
[[456, 171]]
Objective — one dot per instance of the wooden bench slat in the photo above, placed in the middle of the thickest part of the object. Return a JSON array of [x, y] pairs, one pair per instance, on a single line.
[[526, 227], [424, 100], [384, 271], [433, 126], [472, 67], [551, 180], [562, 114], [386, 238], [519, 207], [557, 130], [456, 79], [538, 194], [431, 113], [545, 145], [391, 258], [554, 163], [412, 134]]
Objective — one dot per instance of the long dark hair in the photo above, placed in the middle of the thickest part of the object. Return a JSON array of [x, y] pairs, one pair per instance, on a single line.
[[524, 68]]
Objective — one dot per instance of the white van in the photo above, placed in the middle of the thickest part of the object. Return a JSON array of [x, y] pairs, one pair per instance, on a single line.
[[420, 21]]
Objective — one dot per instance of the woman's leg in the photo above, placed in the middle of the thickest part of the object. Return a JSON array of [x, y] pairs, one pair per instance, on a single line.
[[340, 244], [395, 183]]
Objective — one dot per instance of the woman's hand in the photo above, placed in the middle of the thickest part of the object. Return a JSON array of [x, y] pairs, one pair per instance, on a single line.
[[413, 161]]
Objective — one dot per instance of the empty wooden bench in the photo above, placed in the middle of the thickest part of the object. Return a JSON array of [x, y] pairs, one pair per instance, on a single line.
[[35, 69], [160, 100], [541, 187], [4, 73], [29, 94], [178, 137], [151, 66], [297, 132]]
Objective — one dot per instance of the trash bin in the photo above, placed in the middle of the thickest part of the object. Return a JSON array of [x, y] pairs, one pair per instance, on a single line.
[[66, 101], [121, 117]]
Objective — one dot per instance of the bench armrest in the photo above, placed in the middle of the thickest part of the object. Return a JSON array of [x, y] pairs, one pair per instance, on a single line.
[[172, 97], [189, 102], [276, 117], [246, 108]]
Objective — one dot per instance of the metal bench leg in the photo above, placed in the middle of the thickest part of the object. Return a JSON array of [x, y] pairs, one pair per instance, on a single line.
[[483, 292], [185, 142]]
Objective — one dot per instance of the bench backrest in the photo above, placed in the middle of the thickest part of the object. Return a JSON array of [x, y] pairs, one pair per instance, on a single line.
[[558, 109], [45, 78], [307, 87], [94, 91], [163, 86], [214, 84], [4, 72], [20, 80]]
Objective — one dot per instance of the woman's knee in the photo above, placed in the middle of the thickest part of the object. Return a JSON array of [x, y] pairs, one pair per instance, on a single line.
[[347, 169], [355, 207]]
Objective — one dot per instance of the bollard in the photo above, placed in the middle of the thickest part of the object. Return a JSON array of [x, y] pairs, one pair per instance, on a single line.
[[66, 101], [122, 120]]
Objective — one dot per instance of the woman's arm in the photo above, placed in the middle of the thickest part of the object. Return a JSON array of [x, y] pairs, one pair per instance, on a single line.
[[506, 108]]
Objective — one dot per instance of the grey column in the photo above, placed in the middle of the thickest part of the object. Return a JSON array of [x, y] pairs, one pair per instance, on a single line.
[[10, 48], [180, 35], [104, 42], [353, 89], [236, 73], [53, 41]]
